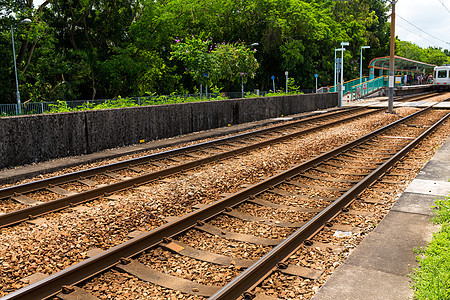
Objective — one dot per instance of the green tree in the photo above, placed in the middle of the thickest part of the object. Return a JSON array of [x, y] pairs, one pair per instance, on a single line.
[[232, 62], [196, 56], [88, 49]]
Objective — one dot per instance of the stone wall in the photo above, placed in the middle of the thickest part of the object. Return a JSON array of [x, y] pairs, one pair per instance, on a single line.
[[36, 138]]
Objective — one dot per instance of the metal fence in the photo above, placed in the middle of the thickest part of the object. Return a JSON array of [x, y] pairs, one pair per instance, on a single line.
[[46, 107], [349, 84], [368, 87]]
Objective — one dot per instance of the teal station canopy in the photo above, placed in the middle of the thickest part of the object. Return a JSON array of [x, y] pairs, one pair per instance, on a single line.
[[403, 65]]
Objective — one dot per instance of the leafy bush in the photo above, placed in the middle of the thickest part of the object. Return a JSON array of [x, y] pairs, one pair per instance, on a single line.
[[60, 107], [120, 102], [116, 103], [432, 278]]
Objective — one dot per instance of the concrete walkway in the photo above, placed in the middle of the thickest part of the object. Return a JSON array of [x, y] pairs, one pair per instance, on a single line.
[[379, 267]]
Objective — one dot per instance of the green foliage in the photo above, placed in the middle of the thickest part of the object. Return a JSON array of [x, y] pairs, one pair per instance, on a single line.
[[292, 88], [60, 107], [430, 55], [432, 278], [116, 103], [209, 64], [102, 49], [443, 211], [232, 62], [120, 102], [196, 56]]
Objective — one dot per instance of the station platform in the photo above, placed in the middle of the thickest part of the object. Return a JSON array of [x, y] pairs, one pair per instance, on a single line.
[[379, 267]]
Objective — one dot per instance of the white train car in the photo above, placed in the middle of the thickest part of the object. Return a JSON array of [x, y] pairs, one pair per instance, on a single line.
[[442, 75]]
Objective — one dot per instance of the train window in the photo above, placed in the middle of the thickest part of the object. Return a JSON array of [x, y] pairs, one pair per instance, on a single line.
[[442, 74]]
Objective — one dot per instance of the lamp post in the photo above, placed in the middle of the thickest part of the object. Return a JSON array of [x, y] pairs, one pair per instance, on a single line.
[[287, 74], [335, 68], [360, 63], [392, 59], [341, 84], [25, 21], [342, 72], [242, 85]]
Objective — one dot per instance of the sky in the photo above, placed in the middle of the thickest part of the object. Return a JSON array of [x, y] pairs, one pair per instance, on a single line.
[[423, 22]]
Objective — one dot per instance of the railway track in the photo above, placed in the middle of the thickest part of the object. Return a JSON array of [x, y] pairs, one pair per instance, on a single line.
[[420, 97], [79, 187], [319, 194]]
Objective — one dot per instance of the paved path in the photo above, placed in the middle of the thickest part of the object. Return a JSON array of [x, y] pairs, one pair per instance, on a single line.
[[379, 267]]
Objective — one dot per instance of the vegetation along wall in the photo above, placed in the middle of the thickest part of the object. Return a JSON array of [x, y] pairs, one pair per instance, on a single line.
[[35, 138]]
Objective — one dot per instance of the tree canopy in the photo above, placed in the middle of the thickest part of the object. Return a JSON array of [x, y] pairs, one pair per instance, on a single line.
[[89, 49]]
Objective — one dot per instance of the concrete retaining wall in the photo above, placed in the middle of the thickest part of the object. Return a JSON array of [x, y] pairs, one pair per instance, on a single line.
[[36, 138]]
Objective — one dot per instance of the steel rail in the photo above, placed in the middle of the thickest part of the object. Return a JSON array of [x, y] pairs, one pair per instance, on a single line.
[[255, 274], [18, 216], [61, 179], [103, 261]]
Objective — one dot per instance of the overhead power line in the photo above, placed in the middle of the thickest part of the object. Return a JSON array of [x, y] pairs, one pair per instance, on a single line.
[[419, 35], [434, 37], [444, 6]]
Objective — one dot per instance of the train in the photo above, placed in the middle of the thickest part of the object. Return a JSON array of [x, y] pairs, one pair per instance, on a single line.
[[442, 75]]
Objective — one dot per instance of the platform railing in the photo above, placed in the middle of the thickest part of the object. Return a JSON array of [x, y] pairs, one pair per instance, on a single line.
[[361, 90], [349, 84]]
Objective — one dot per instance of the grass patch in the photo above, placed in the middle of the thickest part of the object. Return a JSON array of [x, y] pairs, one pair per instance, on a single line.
[[432, 278]]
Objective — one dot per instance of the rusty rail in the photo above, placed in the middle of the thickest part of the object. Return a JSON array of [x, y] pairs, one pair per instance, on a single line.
[[92, 266], [36, 185], [255, 274], [61, 203]]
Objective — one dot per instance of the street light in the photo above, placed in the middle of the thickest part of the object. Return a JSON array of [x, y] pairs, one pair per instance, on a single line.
[[392, 59], [335, 68], [242, 85], [360, 63], [341, 84], [287, 74], [24, 21]]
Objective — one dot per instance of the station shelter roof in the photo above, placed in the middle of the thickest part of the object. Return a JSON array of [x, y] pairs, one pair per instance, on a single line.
[[401, 64]]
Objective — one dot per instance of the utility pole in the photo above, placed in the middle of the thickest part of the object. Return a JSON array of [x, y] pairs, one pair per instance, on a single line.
[[392, 60]]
